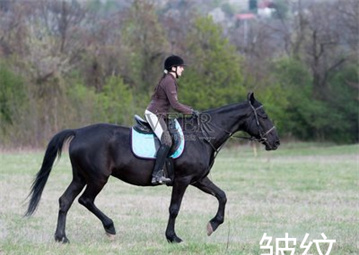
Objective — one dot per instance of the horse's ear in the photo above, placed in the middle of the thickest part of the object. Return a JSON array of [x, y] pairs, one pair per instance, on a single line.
[[251, 98]]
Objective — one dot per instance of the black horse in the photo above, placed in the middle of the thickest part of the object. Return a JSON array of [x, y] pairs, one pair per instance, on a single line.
[[101, 150]]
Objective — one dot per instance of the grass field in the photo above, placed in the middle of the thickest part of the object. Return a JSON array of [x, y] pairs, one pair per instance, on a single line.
[[301, 188]]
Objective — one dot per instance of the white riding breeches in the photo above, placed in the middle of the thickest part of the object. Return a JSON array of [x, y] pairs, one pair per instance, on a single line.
[[155, 124]]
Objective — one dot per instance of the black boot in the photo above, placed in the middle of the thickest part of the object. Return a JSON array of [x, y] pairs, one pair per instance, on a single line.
[[158, 173]]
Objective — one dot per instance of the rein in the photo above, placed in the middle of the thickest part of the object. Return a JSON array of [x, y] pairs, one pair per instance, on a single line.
[[208, 140]]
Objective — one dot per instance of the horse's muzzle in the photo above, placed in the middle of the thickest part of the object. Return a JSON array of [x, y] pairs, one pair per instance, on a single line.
[[271, 147]]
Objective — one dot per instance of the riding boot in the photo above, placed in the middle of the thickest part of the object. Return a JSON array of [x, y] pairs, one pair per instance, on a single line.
[[158, 172]]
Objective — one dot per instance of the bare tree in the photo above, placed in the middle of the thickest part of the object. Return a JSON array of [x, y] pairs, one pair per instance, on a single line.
[[324, 46], [13, 30], [54, 37], [146, 44]]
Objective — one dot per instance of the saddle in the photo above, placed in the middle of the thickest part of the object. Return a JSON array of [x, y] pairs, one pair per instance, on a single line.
[[144, 142], [142, 125]]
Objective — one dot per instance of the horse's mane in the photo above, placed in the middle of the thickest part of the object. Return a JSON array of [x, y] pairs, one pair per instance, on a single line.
[[226, 108]]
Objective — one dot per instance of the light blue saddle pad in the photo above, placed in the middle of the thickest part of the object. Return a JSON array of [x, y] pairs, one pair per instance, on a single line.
[[143, 145]]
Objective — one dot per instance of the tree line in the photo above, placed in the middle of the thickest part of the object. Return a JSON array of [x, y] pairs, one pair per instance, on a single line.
[[66, 64]]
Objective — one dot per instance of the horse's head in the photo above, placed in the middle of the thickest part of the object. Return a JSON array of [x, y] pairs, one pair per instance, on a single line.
[[260, 126]]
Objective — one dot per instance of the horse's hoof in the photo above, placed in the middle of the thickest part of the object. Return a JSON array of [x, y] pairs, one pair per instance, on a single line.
[[111, 236], [209, 229], [175, 239], [63, 240]]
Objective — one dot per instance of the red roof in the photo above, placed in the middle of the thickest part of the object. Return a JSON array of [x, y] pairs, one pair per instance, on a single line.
[[246, 16]]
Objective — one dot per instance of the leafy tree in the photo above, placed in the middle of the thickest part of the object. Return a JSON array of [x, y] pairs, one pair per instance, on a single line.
[[81, 109], [15, 109], [213, 77], [115, 102], [307, 118], [72, 63], [294, 80], [275, 100], [146, 45], [12, 95], [343, 106]]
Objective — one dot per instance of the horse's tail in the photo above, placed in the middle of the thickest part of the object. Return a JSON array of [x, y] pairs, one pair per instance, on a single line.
[[54, 149]]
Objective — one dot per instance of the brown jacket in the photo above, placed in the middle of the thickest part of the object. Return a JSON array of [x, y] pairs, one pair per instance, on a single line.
[[165, 97]]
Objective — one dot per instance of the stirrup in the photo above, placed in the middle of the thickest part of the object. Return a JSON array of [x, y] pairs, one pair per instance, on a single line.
[[160, 180]]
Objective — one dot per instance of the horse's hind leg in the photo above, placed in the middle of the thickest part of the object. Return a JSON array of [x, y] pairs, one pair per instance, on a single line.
[[87, 199], [65, 202], [209, 187]]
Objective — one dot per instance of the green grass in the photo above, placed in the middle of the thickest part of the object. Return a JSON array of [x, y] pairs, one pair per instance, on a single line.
[[301, 188]]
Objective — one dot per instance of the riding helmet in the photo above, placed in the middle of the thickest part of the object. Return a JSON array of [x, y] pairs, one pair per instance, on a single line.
[[172, 61]]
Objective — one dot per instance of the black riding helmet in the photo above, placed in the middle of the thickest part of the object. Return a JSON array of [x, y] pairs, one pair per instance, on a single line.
[[172, 61]]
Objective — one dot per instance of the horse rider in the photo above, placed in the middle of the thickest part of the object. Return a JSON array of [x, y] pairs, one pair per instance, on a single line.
[[163, 98]]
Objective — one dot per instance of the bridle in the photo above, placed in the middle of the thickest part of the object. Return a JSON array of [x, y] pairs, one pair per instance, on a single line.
[[205, 132], [262, 136]]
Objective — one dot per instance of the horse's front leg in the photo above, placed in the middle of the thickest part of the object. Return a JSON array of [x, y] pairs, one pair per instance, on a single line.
[[206, 185], [178, 190]]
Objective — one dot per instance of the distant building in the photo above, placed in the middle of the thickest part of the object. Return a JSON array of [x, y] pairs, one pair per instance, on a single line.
[[245, 16], [265, 9]]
